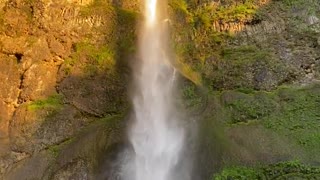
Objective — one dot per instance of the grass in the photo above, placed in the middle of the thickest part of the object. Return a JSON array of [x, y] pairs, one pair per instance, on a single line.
[[289, 111], [283, 170], [299, 116], [244, 55], [237, 173], [251, 108], [53, 102]]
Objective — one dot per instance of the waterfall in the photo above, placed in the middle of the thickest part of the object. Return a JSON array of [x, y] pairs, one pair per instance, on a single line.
[[155, 135]]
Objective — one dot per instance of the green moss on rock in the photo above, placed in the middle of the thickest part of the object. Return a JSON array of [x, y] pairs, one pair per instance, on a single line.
[[283, 170], [53, 102]]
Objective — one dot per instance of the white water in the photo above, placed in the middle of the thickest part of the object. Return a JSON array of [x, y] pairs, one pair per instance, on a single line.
[[155, 135]]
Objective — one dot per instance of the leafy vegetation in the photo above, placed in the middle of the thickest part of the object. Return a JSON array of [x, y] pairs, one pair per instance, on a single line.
[[298, 117], [289, 111], [284, 170], [237, 173], [251, 107], [204, 40], [191, 96]]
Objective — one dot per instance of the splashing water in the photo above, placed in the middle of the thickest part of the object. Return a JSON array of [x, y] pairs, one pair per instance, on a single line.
[[155, 135]]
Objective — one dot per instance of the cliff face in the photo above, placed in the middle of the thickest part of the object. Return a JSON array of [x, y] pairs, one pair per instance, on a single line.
[[60, 72], [64, 74], [251, 44]]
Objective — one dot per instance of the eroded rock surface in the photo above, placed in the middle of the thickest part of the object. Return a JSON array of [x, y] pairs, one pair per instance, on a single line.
[[49, 93], [64, 75]]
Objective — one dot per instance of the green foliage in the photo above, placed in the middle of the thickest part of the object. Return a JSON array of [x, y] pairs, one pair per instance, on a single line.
[[289, 111], [283, 170], [251, 108], [99, 55], [298, 117], [230, 13], [244, 55], [53, 102], [180, 6], [237, 173], [98, 58], [191, 96]]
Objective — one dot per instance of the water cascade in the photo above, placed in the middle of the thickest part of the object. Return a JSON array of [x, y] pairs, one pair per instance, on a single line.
[[156, 136]]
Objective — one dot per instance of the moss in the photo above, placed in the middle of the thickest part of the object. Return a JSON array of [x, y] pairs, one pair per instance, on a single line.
[[235, 68], [242, 55], [237, 173], [99, 58], [56, 149], [288, 111], [298, 116], [126, 20], [53, 102], [206, 14], [283, 170], [100, 55], [293, 3], [252, 108], [97, 7], [191, 96]]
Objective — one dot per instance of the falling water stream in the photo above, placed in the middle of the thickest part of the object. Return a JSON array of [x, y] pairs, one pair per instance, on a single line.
[[156, 137]]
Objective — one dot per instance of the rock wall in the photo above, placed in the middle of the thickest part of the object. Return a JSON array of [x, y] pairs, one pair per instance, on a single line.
[[59, 74], [64, 70], [213, 33]]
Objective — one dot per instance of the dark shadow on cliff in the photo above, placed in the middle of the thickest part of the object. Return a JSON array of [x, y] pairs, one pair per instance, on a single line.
[[78, 127]]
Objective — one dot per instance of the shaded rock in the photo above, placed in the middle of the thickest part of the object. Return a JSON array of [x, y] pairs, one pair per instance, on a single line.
[[93, 95], [75, 170], [59, 126], [34, 130], [23, 125], [30, 168], [100, 139], [8, 160]]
